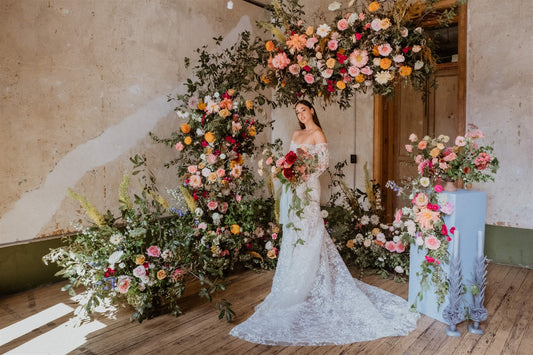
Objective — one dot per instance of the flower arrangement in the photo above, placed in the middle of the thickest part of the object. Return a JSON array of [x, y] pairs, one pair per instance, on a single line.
[[354, 220], [368, 50], [465, 160], [295, 167]]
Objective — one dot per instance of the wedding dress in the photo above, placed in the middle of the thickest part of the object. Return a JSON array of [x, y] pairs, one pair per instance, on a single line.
[[314, 299]]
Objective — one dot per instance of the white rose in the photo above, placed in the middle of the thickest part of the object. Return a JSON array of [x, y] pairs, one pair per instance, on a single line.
[[419, 65], [398, 269], [416, 48], [367, 243], [268, 245], [139, 271], [199, 132], [396, 239], [115, 257], [424, 181], [419, 241], [206, 172], [334, 6], [324, 213]]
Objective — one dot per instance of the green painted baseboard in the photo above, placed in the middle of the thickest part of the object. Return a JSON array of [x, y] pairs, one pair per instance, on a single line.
[[22, 266], [510, 246]]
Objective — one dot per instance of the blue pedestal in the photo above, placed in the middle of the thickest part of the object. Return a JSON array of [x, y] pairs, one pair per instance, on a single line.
[[468, 217]]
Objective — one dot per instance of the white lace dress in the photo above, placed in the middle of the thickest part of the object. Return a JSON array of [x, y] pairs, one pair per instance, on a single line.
[[314, 299]]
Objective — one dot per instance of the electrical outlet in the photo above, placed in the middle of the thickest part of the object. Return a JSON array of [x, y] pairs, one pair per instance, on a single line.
[[353, 159]]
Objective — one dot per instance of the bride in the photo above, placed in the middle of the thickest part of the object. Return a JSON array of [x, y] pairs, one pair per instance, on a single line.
[[314, 299]]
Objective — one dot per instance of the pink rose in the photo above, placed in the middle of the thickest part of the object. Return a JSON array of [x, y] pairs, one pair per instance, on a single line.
[[212, 205], [431, 242], [353, 71], [139, 271], [280, 61], [342, 24], [221, 172], [333, 44], [211, 158], [422, 144], [367, 70], [179, 146], [223, 207], [413, 137], [460, 141], [409, 148], [294, 69], [274, 236], [385, 49], [418, 159], [390, 246], [269, 161], [447, 208], [123, 284], [438, 188], [399, 247], [309, 78], [192, 169], [280, 162], [398, 216], [238, 198], [311, 41], [376, 24], [154, 250]]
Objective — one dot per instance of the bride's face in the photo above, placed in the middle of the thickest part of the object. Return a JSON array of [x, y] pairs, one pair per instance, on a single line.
[[304, 114]]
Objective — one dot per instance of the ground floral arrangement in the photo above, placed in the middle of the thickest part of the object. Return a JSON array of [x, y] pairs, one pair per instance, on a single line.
[[213, 220], [354, 220], [422, 222]]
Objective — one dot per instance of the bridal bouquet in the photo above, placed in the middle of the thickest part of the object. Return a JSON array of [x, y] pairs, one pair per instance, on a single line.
[[295, 168]]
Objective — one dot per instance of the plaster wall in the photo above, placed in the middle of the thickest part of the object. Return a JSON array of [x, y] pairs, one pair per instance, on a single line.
[[499, 102], [83, 82]]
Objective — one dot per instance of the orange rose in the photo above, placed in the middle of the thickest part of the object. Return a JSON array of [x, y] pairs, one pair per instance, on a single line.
[[360, 78], [405, 70], [385, 63], [161, 274], [185, 128], [187, 140], [140, 260], [201, 106], [252, 131], [341, 85], [375, 51], [373, 6], [269, 46], [249, 104], [435, 152], [209, 137], [224, 113], [271, 254], [350, 244], [231, 92]]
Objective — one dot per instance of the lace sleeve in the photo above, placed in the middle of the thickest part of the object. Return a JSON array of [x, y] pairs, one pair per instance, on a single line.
[[322, 152]]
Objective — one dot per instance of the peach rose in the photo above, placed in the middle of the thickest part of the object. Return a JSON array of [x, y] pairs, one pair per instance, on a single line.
[[123, 284], [161, 274], [209, 137], [431, 242], [422, 144]]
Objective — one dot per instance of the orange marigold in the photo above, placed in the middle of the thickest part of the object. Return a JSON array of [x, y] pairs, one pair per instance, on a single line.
[[187, 140], [185, 128], [297, 42], [235, 229], [405, 70], [269, 46], [385, 63], [341, 85], [373, 6], [360, 78], [209, 137], [201, 106]]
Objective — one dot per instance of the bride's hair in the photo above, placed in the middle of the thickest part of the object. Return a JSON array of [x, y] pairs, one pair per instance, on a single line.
[[315, 117]]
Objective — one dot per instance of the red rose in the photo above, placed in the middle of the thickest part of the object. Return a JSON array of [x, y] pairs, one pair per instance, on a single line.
[[343, 70], [204, 144], [288, 173], [452, 230], [307, 68], [444, 230], [291, 157], [406, 49]]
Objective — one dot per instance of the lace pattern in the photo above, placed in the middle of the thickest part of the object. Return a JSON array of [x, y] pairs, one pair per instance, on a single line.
[[314, 299]]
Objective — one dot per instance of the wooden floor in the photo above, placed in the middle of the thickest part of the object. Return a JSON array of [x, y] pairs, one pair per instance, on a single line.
[[508, 329]]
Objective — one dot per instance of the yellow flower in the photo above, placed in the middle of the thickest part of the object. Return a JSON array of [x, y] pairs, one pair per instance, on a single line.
[[235, 229], [212, 177], [385, 23], [208, 150], [405, 70], [341, 85], [375, 231], [209, 137], [272, 254], [373, 6], [310, 30], [350, 244], [201, 165], [161, 274], [269, 46], [252, 131], [283, 84], [435, 152], [139, 260], [187, 140], [201, 106], [360, 78], [224, 113], [330, 63], [233, 163], [440, 146], [302, 63], [249, 104], [385, 63], [265, 79], [231, 92]]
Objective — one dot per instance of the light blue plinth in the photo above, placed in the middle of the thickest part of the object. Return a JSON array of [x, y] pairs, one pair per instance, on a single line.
[[468, 217]]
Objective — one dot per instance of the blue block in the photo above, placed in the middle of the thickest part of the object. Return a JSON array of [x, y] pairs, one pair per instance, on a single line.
[[468, 217]]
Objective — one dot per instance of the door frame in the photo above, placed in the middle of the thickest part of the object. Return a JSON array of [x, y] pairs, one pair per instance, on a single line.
[[384, 108]]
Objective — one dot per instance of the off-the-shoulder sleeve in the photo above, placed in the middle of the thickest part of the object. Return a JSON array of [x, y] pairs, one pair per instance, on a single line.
[[322, 152]]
